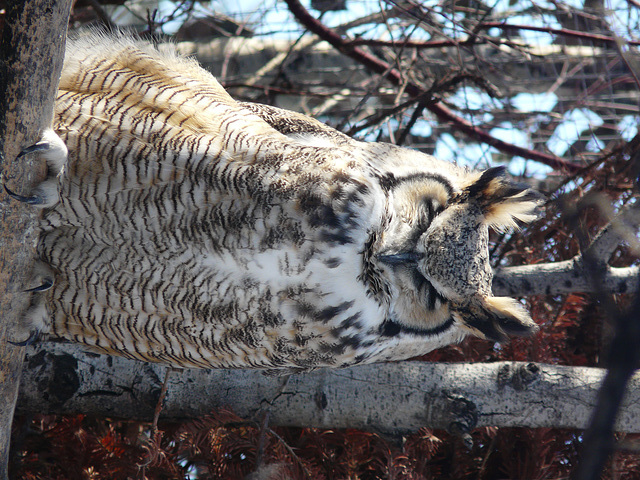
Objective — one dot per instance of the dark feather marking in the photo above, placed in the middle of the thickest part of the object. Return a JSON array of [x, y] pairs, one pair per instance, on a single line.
[[353, 341], [478, 187], [351, 321], [389, 328], [333, 262], [489, 325], [422, 284], [360, 358], [371, 276], [320, 214], [390, 181], [324, 315], [329, 313]]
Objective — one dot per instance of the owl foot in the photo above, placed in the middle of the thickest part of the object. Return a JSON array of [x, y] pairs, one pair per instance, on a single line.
[[54, 151], [34, 323], [34, 336]]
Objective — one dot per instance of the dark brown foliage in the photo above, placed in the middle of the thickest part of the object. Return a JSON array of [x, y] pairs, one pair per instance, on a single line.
[[223, 446]]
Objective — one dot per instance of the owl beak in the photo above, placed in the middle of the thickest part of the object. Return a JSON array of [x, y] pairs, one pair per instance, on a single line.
[[404, 258]]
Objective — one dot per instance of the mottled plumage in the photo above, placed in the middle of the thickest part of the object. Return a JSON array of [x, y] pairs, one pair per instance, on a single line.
[[198, 231]]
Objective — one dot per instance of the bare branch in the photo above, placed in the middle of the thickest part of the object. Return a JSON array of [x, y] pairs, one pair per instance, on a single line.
[[487, 25], [557, 31], [441, 111], [102, 14], [622, 228], [408, 395], [562, 277], [574, 275]]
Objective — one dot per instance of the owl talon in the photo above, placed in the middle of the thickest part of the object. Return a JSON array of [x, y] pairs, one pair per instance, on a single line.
[[37, 147], [54, 152], [34, 335], [34, 323], [29, 200], [46, 285]]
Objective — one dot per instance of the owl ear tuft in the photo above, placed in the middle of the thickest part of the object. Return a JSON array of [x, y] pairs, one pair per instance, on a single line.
[[496, 318], [505, 204]]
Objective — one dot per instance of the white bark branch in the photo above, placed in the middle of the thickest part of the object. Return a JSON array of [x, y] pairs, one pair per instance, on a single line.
[[573, 275], [392, 398], [328, 66], [622, 228], [562, 277]]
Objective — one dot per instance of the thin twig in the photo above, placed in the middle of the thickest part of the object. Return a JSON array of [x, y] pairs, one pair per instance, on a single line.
[[262, 439], [557, 31], [160, 403], [102, 15], [292, 453], [442, 112], [417, 113], [153, 444]]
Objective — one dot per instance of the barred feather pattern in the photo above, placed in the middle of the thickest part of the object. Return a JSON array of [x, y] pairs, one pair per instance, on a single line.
[[198, 231]]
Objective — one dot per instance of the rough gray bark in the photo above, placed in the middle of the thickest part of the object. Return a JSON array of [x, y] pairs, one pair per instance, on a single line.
[[392, 399], [31, 55]]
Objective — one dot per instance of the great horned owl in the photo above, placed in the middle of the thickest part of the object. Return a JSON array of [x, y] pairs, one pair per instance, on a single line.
[[199, 231]]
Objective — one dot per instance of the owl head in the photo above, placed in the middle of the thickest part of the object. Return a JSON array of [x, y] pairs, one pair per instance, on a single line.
[[434, 251]]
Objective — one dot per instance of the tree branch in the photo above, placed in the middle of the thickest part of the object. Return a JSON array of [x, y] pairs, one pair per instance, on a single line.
[[562, 277], [31, 55], [575, 275], [60, 378], [622, 228], [623, 359], [487, 25]]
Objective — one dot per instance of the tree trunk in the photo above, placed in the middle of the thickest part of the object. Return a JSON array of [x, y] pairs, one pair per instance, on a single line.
[[392, 398], [31, 55]]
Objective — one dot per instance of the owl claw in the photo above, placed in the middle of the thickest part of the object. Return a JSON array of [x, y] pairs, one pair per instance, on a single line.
[[34, 335], [37, 147], [29, 200], [34, 323], [46, 285], [54, 152]]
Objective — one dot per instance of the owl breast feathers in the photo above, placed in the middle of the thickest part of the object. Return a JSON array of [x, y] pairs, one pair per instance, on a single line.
[[199, 231]]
